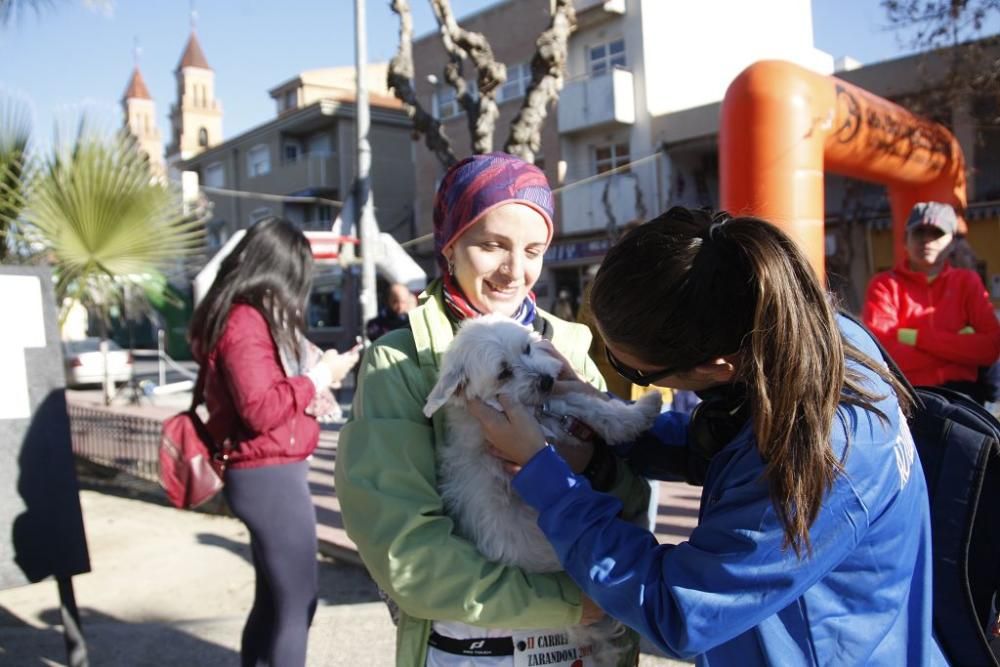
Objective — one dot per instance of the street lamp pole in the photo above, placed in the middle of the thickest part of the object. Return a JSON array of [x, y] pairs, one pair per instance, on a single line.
[[364, 211]]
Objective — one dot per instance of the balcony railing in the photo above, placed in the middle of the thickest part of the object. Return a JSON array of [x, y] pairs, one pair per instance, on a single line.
[[309, 171], [592, 102]]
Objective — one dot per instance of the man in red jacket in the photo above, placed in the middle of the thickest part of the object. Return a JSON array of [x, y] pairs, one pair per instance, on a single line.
[[936, 321]]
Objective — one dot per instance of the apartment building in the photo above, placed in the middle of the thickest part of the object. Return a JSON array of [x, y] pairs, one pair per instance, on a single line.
[[307, 150], [633, 65], [637, 124], [630, 62]]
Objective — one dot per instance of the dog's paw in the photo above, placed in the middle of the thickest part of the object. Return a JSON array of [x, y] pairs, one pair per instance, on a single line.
[[650, 404], [631, 420]]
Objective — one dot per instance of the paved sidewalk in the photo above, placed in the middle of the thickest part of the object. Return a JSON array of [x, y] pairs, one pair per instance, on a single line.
[[172, 587]]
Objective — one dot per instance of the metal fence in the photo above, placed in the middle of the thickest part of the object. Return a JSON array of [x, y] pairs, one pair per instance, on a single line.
[[124, 442]]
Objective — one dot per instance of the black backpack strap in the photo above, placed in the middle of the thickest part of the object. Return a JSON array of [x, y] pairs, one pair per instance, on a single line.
[[956, 443], [960, 463]]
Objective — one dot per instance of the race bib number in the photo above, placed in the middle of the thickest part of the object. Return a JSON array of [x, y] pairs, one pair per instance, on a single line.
[[549, 647]]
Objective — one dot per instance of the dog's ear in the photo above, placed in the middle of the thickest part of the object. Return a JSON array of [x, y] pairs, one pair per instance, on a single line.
[[448, 384]]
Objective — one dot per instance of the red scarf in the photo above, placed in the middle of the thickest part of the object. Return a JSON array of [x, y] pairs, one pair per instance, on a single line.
[[459, 308]]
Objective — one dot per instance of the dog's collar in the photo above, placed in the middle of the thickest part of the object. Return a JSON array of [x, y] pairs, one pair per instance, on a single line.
[[569, 424]]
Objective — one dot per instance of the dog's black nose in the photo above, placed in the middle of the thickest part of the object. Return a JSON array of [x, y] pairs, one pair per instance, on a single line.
[[545, 382]]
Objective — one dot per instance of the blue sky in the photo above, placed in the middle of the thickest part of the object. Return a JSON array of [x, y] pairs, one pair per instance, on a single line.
[[77, 56]]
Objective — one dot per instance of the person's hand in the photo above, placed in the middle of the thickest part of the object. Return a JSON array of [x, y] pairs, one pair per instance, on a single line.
[[567, 372], [591, 612], [907, 336], [569, 381], [324, 406], [509, 466], [577, 386], [340, 364], [514, 433]]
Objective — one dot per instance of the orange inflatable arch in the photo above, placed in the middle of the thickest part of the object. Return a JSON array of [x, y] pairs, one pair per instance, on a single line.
[[782, 126]]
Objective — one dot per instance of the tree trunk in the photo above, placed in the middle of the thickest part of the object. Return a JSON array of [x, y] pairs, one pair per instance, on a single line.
[[400, 81], [547, 67], [611, 228], [481, 108]]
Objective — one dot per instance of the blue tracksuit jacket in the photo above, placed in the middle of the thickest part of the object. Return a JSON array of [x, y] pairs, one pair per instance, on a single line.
[[730, 594]]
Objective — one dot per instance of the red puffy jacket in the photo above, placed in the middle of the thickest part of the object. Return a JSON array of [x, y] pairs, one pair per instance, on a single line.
[[938, 310], [250, 400]]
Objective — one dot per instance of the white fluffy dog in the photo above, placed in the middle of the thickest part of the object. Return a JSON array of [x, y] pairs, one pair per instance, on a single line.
[[492, 355]]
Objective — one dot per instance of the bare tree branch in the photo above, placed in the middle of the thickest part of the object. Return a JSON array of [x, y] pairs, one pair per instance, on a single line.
[[400, 81], [481, 109], [970, 67], [547, 67], [611, 229]]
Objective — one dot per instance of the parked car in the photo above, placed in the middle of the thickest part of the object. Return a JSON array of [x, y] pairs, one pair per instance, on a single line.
[[85, 363]]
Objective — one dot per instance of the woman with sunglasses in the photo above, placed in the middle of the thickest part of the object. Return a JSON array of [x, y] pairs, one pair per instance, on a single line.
[[813, 543]]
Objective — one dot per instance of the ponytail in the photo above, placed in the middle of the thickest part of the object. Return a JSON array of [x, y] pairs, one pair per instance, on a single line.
[[792, 363], [742, 287]]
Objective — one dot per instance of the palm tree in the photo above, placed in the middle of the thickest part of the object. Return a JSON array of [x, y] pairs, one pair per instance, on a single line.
[[13, 10], [108, 229], [15, 171]]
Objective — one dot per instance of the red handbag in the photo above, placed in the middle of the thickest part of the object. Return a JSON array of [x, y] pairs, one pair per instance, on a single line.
[[191, 465]]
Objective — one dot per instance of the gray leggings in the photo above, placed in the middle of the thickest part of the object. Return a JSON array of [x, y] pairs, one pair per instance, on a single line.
[[275, 504]]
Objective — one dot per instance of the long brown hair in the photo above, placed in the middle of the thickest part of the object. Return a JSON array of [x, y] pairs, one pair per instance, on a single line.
[[690, 286]]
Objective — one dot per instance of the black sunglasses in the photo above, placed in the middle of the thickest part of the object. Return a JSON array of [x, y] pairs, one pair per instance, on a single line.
[[638, 377]]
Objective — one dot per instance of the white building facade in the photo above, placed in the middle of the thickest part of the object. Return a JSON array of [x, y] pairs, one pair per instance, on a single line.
[[637, 71]]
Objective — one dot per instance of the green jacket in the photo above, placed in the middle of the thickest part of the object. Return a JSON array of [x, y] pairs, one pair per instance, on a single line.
[[387, 487]]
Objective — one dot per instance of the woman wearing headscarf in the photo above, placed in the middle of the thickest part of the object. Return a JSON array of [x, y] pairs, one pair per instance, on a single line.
[[492, 224]]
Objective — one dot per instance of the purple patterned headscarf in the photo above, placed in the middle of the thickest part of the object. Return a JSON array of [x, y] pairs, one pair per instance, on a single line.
[[478, 184]]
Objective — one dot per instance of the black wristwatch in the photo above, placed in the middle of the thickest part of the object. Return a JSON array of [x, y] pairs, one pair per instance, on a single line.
[[602, 468]]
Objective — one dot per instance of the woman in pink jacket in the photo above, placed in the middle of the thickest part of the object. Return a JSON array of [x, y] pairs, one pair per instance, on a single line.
[[264, 386]]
